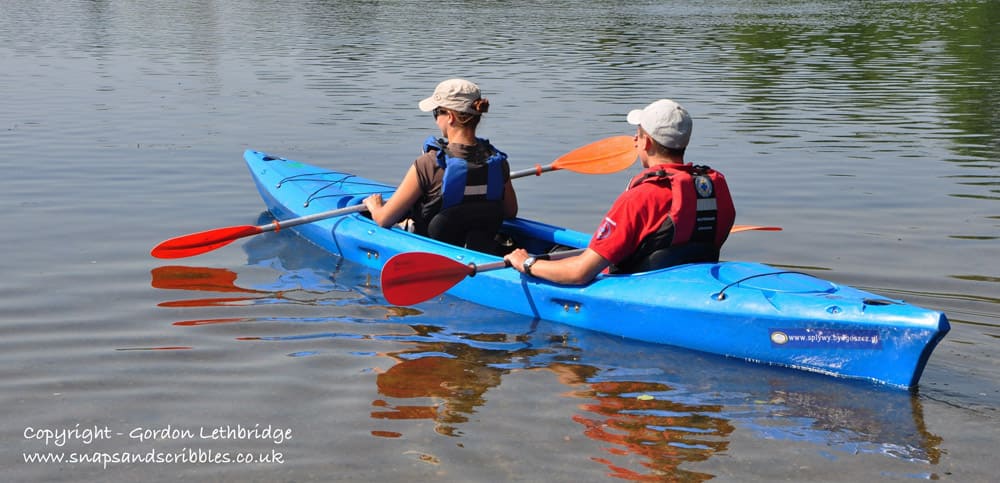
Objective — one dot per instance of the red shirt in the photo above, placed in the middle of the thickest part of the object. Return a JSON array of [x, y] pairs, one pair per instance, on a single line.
[[637, 212]]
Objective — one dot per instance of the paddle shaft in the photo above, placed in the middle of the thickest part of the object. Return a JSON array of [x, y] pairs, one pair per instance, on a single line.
[[486, 267], [608, 155], [605, 156], [201, 242], [412, 277], [277, 225], [537, 171]]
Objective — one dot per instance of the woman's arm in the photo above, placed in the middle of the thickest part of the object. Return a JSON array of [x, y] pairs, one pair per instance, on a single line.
[[389, 212]]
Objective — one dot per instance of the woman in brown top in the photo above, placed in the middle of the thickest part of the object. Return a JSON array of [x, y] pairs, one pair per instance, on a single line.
[[461, 184]]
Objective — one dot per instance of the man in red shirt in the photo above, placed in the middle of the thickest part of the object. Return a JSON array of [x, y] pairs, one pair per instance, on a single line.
[[672, 212]]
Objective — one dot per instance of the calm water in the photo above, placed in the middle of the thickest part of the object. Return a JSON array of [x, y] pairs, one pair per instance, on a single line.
[[868, 130]]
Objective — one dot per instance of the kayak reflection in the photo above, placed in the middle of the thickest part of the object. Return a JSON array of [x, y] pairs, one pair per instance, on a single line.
[[657, 417]]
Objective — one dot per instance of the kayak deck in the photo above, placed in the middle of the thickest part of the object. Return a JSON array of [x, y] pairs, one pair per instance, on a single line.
[[737, 309]]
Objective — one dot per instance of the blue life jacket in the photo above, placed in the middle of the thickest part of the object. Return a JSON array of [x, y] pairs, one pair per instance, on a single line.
[[464, 181]]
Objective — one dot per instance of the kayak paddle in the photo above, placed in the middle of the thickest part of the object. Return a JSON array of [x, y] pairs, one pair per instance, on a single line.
[[414, 277], [606, 156], [205, 241], [609, 155]]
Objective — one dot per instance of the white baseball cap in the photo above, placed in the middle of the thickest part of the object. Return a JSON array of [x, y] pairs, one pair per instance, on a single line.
[[665, 121], [455, 94]]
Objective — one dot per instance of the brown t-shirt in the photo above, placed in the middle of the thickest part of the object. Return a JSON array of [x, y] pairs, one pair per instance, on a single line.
[[431, 178]]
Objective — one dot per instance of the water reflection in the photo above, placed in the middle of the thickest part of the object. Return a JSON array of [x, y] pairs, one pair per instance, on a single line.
[[664, 424], [451, 387], [653, 417], [661, 433], [443, 375], [859, 77]]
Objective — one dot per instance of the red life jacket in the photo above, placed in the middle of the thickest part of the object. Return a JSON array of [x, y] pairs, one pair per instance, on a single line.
[[701, 215]]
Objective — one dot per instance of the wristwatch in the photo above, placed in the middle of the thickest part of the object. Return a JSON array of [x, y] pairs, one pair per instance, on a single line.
[[528, 263]]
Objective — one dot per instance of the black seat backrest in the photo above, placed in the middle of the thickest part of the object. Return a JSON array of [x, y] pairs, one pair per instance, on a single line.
[[472, 225], [671, 256]]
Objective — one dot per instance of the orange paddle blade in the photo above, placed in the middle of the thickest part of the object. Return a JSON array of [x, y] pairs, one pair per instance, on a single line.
[[201, 242], [609, 155], [411, 278]]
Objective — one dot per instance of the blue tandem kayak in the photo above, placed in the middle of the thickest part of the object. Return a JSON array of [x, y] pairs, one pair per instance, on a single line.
[[737, 309]]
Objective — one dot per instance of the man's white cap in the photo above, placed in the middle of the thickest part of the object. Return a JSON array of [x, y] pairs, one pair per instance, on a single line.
[[665, 121], [455, 94]]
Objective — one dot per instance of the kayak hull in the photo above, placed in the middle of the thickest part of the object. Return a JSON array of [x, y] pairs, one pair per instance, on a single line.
[[746, 310]]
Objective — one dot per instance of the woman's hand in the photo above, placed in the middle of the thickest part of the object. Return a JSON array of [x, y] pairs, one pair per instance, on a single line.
[[373, 202]]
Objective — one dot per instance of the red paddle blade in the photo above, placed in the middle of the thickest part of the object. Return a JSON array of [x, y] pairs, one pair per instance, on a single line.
[[201, 242], [739, 228], [411, 278], [609, 155]]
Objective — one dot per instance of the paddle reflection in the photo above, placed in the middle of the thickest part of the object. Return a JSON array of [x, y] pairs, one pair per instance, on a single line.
[[175, 277], [300, 290]]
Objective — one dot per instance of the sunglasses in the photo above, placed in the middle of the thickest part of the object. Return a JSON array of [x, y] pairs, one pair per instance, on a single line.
[[438, 111]]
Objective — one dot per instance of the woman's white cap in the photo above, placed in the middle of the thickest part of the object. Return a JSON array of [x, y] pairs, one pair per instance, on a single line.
[[455, 94], [665, 121]]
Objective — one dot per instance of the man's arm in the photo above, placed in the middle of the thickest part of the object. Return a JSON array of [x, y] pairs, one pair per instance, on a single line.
[[576, 270]]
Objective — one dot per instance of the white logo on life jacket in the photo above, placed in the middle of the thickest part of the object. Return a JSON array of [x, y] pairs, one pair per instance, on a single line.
[[703, 185]]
